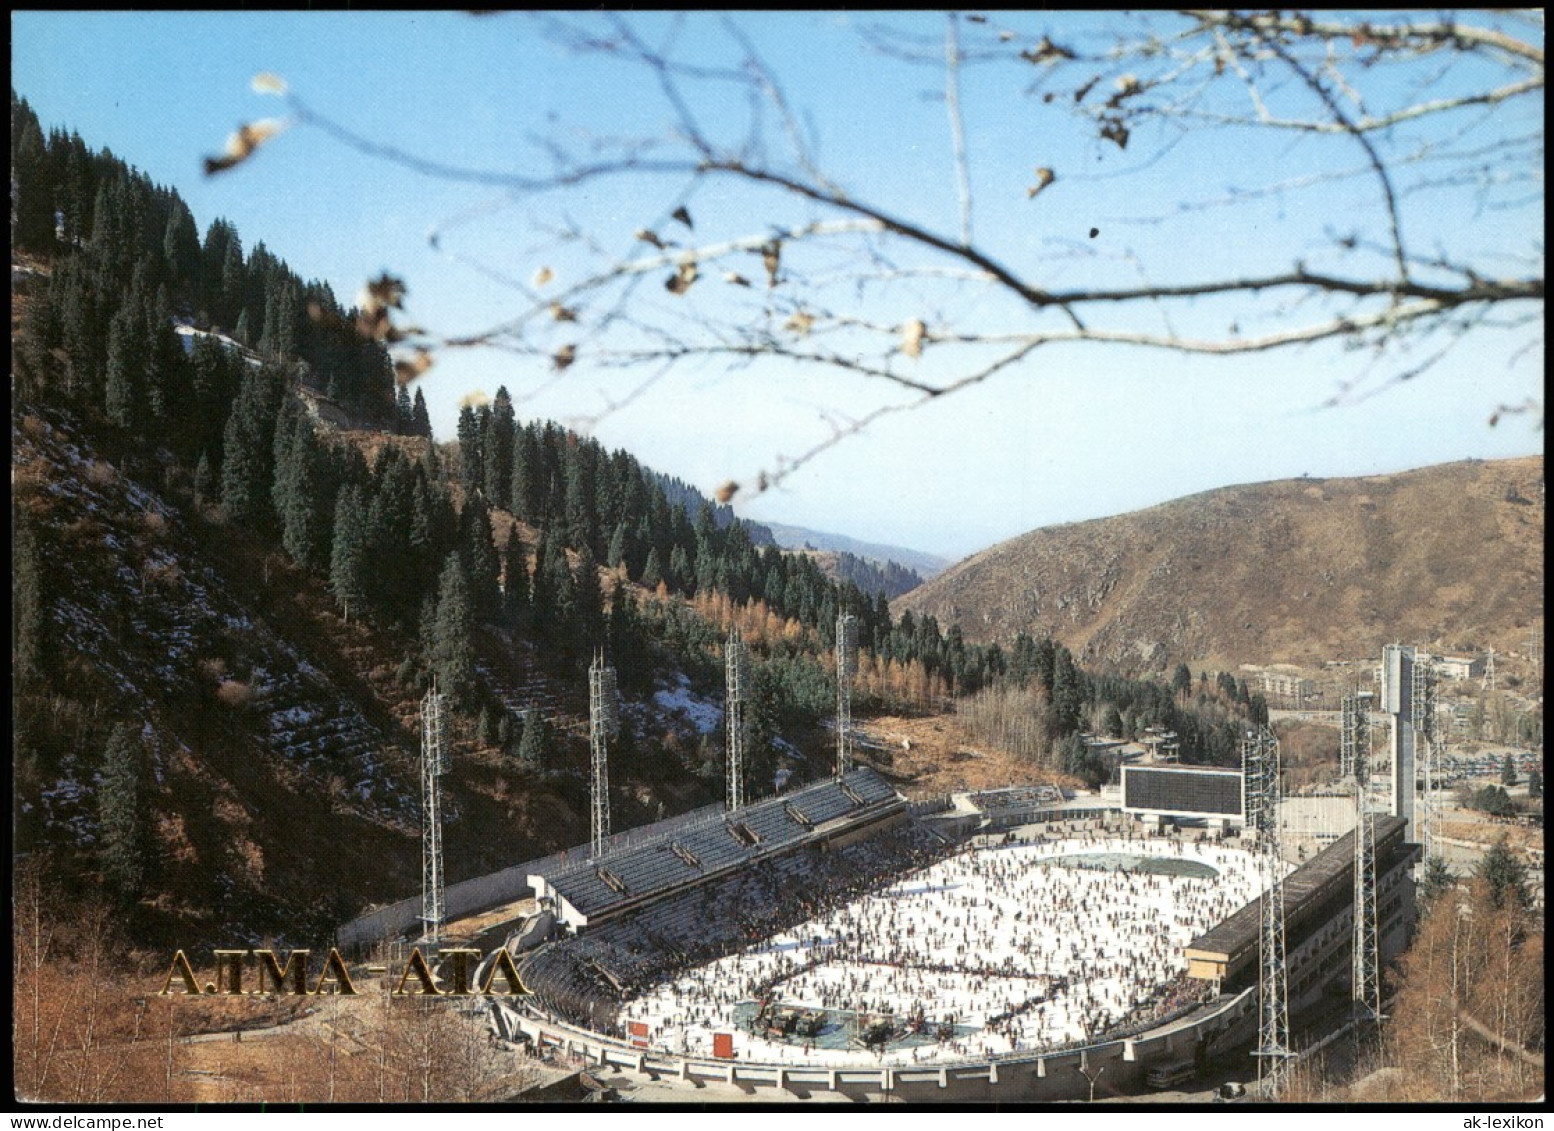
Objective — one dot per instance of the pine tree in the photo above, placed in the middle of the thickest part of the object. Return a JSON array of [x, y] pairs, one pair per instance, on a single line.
[[1437, 880], [497, 455], [1508, 772], [1068, 692], [29, 600], [33, 200], [515, 585], [589, 603], [534, 748], [420, 420], [118, 810], [471, 467], [1181, 680], [528, 475], [241, 472], [1506, 876], [181, 250], [652, 570], [554, 597], [453, 645], [480, 561], [403, 413], [618, 547], [348, 553], [126, 360], [1534, 785]]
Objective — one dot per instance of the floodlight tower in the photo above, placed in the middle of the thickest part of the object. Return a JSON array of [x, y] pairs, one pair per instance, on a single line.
[[1351, 724], [434, 763], [846, 669], [1398, 665], [1260, 758], [603, 722], [737, 674], [1365, 971], [1426, 739]]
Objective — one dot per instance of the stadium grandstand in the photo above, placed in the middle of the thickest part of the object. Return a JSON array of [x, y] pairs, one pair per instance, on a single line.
[[689, 854]]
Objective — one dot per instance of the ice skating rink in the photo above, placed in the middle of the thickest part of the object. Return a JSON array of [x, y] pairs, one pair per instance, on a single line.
[[999, 949]]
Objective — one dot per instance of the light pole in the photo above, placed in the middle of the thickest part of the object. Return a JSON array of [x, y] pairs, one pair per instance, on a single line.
[[1085, 1072]]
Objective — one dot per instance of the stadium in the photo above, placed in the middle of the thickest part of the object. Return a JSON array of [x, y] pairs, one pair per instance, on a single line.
[[1009, 945]]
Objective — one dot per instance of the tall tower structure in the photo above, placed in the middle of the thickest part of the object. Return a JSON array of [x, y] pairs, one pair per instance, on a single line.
[[603, 722], [1366, 968], [434, 763], [846, 669], [736, 674], [1427, 744], [1397, 701], [1260, 762]]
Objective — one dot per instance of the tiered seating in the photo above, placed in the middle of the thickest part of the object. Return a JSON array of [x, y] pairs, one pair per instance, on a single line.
[[772, 825], [870, 786], [585, 978], [827, 805], [652, 867]]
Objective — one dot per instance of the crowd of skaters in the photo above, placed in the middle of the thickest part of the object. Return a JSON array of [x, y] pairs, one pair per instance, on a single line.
[[997, 948]]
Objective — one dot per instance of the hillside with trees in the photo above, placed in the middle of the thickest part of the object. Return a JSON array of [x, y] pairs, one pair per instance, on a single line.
[[241, 560], [1300, 570]]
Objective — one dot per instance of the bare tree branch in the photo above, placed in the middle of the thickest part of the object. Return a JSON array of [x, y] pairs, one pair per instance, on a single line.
[[867, 286]]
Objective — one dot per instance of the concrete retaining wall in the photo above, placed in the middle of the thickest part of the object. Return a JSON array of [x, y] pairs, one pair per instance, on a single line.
[[1118, 1066]]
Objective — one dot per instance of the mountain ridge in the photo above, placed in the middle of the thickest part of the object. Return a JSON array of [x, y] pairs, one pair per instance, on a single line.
[[791, 537], [1295, 570]]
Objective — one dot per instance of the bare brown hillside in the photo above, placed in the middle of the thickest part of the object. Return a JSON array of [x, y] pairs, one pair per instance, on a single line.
[[1297, 571]]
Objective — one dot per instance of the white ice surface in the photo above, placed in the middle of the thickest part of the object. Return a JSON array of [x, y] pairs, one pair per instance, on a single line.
[[972, 936]]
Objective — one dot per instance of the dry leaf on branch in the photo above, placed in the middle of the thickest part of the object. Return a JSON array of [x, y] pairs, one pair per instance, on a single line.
[[912, 338], [564, 356], [475, 398], [543, 276], [771, 258], [727, 491], [562, 313], [385, 292], [1044, 177], [735, 278], [241, 145], [801, 322], [647, 235], [681, 214], [681, 280], [415, 366], [1046, 51], [266, 82]]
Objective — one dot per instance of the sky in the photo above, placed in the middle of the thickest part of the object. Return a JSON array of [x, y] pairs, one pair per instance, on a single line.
[[1070, 433]]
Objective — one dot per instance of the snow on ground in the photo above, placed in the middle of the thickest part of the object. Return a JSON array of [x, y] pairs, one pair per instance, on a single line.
[[706, 715], [1029, 952]]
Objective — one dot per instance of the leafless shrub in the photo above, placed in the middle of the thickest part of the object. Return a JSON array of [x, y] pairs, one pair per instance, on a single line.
[[235, 694]]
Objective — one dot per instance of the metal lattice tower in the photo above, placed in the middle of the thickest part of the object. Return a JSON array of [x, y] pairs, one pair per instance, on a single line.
[[1489, 671], [846, 669], [602, 723], [1351, 725], [1365, 971], [434, 763], [737, 673], [1260, 761], [1427, 740]]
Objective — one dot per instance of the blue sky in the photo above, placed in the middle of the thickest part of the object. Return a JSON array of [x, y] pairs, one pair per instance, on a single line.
[[1074, 432]]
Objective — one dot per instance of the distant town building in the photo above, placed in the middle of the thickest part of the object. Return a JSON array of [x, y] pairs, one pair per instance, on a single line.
[[1460, 667], [1285, 681]]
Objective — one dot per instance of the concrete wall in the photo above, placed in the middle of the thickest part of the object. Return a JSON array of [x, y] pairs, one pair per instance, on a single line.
[[1118, 1066]]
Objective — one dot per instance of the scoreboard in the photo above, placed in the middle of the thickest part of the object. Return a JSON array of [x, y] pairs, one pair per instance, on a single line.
[[1184, 791]]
